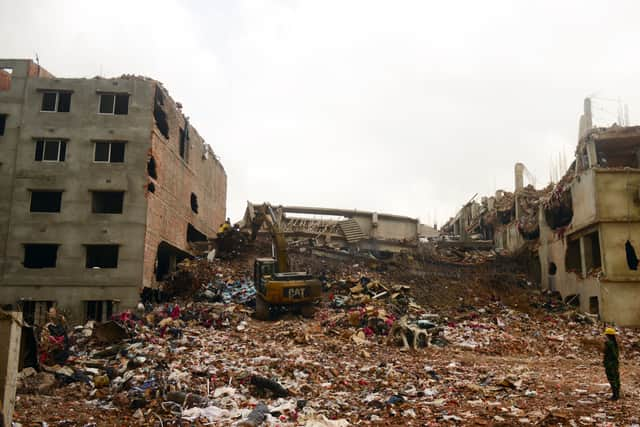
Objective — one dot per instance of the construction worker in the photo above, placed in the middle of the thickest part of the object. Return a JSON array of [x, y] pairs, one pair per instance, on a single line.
[[611, 362]]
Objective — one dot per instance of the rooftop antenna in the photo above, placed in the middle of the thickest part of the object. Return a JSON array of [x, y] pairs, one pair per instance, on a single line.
[[38, 63]]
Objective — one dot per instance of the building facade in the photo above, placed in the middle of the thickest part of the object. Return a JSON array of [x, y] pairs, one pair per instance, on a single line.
[[590, 227], [104, 184]]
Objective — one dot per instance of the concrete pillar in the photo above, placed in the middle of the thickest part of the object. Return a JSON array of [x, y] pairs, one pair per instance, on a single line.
[[592, 155], [519, 176], [10, 333], [586, 120]]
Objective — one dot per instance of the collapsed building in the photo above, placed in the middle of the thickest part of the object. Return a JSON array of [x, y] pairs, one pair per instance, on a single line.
[[507, 220], [583, 231], [590, 225], [104, 187], [351, 230]]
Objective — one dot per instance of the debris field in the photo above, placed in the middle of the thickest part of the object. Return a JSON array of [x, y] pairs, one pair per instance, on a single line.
[[403, 342]]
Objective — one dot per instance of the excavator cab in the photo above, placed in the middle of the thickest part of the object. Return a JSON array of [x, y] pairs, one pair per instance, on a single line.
[[295, 291]]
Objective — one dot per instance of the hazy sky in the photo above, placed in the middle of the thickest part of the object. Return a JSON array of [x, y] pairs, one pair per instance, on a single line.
[[396, 106]]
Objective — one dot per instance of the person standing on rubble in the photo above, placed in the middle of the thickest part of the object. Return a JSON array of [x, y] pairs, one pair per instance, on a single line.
[[612, 362]]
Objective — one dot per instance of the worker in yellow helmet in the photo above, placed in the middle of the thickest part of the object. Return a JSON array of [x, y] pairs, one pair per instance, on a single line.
[[612, 362]]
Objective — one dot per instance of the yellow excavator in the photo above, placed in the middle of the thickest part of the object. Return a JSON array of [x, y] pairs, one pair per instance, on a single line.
[[277, 286]]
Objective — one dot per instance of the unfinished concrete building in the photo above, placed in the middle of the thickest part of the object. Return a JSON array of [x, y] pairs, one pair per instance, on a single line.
[[103, 185], [590, 225]]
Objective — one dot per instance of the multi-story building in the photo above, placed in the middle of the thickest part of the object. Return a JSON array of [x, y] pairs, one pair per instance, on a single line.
[[104, 184], [590, 225]]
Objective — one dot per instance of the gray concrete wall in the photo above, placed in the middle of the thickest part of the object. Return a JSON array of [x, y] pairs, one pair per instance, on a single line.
[[75, 226], [603, 200]]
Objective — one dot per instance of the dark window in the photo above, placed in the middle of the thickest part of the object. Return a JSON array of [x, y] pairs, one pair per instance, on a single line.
[[194, 203], [109, 152], [111, 103], [117, 152], [46, 201], [64, 102], [159, 115], [122, 104], [195, 235], [102, 152], [56, 101], [552, 268], [50, 150], [592, 251], [98, 310], [632, 258], [573, 259], [109, 202], [151, 168], [3, 123], [107, 103], [102, 256], [35, 312], [594, 305], [184, 144], [40, 255]]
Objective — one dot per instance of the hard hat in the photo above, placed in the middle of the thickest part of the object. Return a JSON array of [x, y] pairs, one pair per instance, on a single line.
[[610, 331]]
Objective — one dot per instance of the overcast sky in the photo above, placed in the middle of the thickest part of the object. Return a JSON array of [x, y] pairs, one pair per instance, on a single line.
[[397, 106]]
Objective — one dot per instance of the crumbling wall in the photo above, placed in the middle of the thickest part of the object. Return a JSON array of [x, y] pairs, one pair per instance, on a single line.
[[180, 173]]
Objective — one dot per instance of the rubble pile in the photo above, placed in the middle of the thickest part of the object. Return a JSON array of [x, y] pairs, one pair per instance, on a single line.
[[204, 280], [381, 350]]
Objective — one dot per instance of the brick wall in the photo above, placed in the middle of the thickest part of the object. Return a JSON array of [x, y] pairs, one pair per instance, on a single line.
[[5, 80], [169, 206]]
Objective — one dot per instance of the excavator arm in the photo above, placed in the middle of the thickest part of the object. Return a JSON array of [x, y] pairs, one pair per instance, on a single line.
[[265, 214]]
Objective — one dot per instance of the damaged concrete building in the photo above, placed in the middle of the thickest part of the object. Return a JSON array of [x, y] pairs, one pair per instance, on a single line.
[[104, 184], [584, 230], [508, 219], [347, 229], [590, 225]]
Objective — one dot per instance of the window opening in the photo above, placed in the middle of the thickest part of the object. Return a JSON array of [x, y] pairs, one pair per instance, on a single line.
[[51, 150], [5, 78], [592, 251], [3, 123], [553, 268], [109, 152], [100, 311], [632, 258], [56, 101], [151, 168], [102, 256], [46, 201], [114, 103], [573, 300], [594, 305], [159, 115], [194, 203], [40, 255], [167, 259], [184, 142], [109, 202], [573, 259], [35, 312], [195, 235]]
